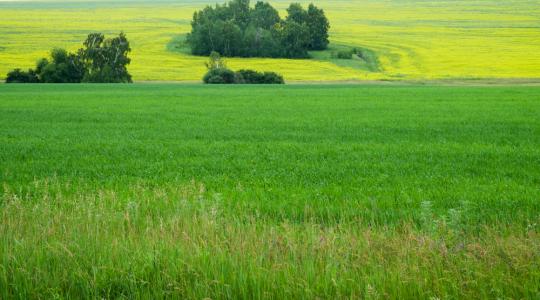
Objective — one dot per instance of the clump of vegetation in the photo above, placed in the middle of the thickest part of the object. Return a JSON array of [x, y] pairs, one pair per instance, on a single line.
[[347, 54], [218, 73], [20, 76], [344, 54], [254, 77], [100, 60], [220, 76], [236, 29]]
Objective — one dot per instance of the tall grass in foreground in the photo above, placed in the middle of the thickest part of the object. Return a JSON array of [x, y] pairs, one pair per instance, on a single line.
[[183, 242]]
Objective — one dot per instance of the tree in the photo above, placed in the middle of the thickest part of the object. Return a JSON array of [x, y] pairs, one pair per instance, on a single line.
[[294, 39], [318, 26], [231, 35], [264, 16], [215, 62], [240, 12], [296, 13], [106, 60]]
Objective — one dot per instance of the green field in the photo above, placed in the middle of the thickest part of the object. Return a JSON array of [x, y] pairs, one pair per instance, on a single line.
[[406, 39], [246, 192]]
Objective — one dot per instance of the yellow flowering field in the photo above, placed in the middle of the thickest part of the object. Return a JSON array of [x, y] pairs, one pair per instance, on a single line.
[[411, 39]]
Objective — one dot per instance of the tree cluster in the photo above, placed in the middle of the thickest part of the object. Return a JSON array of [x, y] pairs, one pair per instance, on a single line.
[[236, 29], [100, 60], [218, 73]]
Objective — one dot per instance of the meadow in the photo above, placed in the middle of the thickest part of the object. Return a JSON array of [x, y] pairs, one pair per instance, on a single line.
[[411, 40], [253, 192]]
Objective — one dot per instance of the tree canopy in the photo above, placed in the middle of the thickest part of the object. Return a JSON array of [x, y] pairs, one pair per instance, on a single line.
[[237, 29]]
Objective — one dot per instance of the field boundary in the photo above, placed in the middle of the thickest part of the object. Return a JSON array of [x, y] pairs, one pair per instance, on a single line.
[[441, 82]]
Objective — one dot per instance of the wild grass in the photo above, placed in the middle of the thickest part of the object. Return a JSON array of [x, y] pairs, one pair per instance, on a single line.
[[180, 242], [411, 39], [178, 191]]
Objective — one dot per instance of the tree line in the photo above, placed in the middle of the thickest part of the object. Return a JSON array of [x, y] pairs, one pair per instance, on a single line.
[[236, 29], [101, 60]]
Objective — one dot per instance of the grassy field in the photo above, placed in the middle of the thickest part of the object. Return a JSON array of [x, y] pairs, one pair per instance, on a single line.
[[150, 191], [411, 39]]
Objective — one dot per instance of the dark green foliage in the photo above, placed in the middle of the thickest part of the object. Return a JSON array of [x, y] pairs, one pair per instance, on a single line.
[[227, 76], [318, 26], [219, 76], [294, 38], [235, 29], [316, 22], [19, 76], [218, 73], [106, 60], [64, 67], [101, 60], [296, 13], [264, 16], [344, 54], [254, 77]]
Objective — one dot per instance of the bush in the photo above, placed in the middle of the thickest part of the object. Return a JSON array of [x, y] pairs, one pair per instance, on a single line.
[[19, 76], [64, 68], [248, 76], [254, 77], [344, 54], [220, 76], [218, 73], [272, 78]]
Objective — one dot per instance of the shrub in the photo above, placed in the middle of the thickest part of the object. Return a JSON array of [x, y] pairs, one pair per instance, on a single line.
[[64, 67], [218, 73], [220, 76], [344, 54], [254, 77], [19, 76], [273, 78]]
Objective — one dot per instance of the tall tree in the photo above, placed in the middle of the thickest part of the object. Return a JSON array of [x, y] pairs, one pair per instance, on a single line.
[[106, 60], [294, 39], [239, 9], [264, 15], [296, 13], [318, 26]]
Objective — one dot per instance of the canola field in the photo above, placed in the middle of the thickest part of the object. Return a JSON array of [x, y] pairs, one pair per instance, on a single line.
[[411, 39]]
